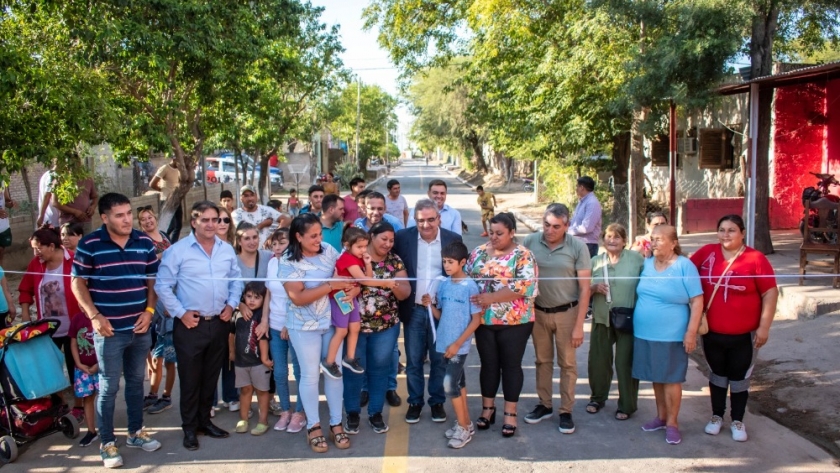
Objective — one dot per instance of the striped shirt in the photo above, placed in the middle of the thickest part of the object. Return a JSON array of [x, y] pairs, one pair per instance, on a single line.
[[116, 276]]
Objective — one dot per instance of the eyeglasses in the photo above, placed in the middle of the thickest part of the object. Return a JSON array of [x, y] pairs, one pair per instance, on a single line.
[[223, 220], [421, 221], [144, 208]]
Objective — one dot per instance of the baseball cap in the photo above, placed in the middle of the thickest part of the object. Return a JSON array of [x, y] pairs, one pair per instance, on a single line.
[[247, 189]]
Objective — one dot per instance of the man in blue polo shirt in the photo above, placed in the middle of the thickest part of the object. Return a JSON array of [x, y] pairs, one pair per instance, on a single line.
[[113, 280], [375, 211]]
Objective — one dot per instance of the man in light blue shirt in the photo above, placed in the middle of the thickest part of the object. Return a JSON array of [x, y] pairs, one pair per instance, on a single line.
[[375, 209], [198, 283], [586, 221], [450, 219]]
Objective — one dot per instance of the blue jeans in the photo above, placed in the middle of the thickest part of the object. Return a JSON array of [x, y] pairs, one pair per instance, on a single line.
[[392, 373], [455, 379], [418, 342], [311, 347], [280, 351], [123, 354], [375, 352]]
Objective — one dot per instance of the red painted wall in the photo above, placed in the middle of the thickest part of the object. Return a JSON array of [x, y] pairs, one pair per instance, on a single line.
[[832, 92], [799, 144]]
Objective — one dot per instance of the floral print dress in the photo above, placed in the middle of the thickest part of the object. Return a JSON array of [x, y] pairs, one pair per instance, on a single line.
[[378, 305], [517, 271]]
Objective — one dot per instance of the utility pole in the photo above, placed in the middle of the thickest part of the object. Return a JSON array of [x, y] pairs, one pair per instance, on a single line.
[[358, 115]]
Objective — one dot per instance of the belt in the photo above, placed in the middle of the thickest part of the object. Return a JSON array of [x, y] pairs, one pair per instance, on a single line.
[[208, 318], [559, 308]]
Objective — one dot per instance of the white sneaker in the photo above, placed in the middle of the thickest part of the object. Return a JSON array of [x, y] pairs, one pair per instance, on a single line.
[[233, 406], [739, 431], [460, 437], [713, 427], [142, 439], [451, 432]]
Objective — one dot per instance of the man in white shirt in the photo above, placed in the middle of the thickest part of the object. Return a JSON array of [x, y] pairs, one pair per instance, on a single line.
[[47, 214], [450, 219], [395, 204], [262, 216]]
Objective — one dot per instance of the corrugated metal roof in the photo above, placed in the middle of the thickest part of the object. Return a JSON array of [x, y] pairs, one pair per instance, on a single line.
[[777, 80]]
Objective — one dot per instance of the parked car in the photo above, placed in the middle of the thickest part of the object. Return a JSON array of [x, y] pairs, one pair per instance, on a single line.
[[222, 168], [275, 173]]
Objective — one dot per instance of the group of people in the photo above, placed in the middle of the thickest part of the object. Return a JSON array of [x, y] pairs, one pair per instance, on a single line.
[[253, 290]]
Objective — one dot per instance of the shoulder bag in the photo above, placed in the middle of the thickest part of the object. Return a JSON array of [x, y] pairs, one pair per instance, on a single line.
[[621, 318], [703, 329]]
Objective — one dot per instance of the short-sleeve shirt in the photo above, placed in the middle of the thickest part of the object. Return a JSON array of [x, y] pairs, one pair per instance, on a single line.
[[486, 201], [116, 276], [259, 270], [563, 263], [736, 308], [517, 271], [342, 266], [169, 177], [246, 343], [53, 302], [365, 225], [255, 218], [4, 304], [396, 208], [351, 208], [623, 278], [312, 271], [456, 310], [378, 306], [332, 235], [279, 299], [662, 309], [162, 245], [45, 186], [82, 329]]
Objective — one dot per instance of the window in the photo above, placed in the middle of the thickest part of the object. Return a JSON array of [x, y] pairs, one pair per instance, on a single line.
[[716, 150], [660, 151]]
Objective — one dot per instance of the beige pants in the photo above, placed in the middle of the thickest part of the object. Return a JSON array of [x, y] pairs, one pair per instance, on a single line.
[[555, 331]]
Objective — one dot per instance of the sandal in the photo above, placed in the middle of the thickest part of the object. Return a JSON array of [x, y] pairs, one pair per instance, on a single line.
[[340, 439], [318, 444], [509, 429], [621, 415], [594, 406], [483, 423]]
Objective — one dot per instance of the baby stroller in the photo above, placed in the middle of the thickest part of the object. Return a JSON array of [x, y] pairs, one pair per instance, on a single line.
[[31, 376]]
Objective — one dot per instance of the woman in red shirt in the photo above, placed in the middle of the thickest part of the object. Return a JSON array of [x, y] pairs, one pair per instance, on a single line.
[[739, 316]]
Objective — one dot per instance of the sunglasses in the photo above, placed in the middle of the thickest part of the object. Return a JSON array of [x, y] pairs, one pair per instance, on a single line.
[[224, 220], [144, 208]]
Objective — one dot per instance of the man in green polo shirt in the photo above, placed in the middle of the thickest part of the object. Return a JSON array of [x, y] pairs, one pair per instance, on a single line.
[[560, 308], [332, 220]]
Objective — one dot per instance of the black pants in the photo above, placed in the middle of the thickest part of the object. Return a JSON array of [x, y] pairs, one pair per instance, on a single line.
[[174, 230], [500, 349], [200, 352], [730, 359], [593, 249]]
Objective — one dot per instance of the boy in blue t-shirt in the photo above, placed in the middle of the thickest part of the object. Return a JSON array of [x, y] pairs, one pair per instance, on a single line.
[[458, 320]]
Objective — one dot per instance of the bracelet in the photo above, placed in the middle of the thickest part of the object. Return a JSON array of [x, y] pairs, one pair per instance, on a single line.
[[151, 310], [94, 315]]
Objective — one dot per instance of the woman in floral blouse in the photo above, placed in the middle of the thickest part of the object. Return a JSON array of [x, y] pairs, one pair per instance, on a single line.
[[506, 275], [380, 329]]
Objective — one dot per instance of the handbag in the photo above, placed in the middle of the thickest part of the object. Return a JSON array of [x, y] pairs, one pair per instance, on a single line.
[[621, 318], [703, 329]]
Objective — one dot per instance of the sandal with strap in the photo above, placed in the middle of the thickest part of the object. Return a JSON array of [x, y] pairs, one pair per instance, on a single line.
[[621, 415], [594, 406], [483, 423], [318, 444], [509, 429], [340, 439]]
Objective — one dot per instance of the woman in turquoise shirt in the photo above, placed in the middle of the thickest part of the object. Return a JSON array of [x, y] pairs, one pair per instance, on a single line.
[[665, 322]]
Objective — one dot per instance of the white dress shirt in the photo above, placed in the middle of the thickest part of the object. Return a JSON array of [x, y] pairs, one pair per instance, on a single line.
[[429, 264]]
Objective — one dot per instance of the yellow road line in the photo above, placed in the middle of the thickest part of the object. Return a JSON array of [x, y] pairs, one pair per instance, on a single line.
[[395, 458]]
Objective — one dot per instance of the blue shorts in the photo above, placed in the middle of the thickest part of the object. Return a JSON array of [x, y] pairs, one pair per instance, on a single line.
[[84, 384], [164, 348], [454, 378]]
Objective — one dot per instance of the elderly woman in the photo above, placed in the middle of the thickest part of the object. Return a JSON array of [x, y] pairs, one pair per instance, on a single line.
[[739, 316], [47, 284], [642, 243], [379, 331], [71, 233], [614, 277], [307, 271], [506, 275], [665, 323]]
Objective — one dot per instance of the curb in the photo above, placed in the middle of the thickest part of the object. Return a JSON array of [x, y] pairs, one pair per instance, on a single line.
[[532, 224]]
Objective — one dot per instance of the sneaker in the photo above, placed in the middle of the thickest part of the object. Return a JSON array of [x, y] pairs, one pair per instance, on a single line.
[[413, 414], [353, 365], [460, 437], [351, 424], [283, 423], [241, 427], [655, 424], [672, 435], [88, 439], [149, 401], [161, 405], [297, 423], [332, 370], [438, 413], [539, 413], [259, 429], [275, 408], [713, 427], [450, 433], [142, 439], [233, 406], [567, 425], [739, 431], [110, 455], [379, 425]]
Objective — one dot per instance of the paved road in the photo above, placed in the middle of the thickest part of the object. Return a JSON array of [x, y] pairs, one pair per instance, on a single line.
[[600, 443]]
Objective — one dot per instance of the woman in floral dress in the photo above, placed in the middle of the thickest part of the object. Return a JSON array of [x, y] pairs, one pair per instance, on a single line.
[[506, 275]]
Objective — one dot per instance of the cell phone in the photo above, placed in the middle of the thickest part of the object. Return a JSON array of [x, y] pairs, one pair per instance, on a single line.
[[345, 307]]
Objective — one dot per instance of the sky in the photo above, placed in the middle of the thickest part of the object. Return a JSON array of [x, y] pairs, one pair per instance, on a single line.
[[363, 55]]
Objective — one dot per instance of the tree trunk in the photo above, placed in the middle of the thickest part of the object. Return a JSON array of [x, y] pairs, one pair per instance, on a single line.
[[636, 179], [478, 153], [25, 175], [621, 157], [264, 176], [764, 26]]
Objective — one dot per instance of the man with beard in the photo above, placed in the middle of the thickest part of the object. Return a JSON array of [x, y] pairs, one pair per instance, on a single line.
[[263, 217]]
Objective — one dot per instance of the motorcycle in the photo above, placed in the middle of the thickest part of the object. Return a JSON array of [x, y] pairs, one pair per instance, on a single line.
[[821, 191]]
